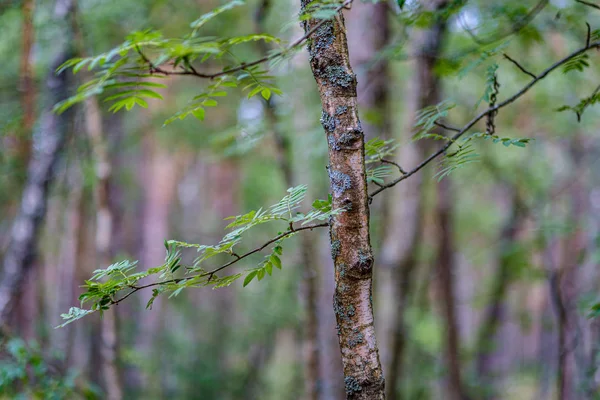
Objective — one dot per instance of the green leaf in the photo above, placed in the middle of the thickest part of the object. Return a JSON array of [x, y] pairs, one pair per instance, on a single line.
[[199, 113], [254, 91], [577, 63], [249, 277], [141, 102], [275, 261], [209, 103], [266, 94]]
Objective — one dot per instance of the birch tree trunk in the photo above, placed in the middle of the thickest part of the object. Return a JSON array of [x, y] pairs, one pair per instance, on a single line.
[[349, 231]]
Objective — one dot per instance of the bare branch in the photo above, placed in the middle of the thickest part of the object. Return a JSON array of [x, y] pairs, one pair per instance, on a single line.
[[587, 3], [402, 171], [589, 35], [520, 66], [516, 28], [447, 127], [484, 113]]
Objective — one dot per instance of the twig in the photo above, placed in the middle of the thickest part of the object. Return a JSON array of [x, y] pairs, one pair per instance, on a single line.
[[210, 274], [402, 171], [447, 127], [484, 113], [242, 66], [589, 35], [587, 3], [516, 28], [520, 66]]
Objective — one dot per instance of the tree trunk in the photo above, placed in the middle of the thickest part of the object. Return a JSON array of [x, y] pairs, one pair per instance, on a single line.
[[565, 288], [495, 312], [349, 231], [104, 233], [27, 83], [446, 270], [47, 146]]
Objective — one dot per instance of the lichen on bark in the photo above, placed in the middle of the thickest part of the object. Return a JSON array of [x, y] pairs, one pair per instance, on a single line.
[[350, 242]]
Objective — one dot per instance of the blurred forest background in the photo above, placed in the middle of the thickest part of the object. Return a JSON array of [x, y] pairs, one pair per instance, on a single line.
[[485, 281]]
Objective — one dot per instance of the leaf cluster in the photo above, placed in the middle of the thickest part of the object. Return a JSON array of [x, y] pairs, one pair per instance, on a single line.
[[126, 74], [120, 280]]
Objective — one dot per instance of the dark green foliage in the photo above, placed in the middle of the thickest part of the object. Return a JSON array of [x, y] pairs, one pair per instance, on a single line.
[[25, 373], [578, 63]]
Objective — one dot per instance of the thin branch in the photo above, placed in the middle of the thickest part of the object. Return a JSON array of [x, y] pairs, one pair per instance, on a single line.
[[587, 3], [589, 35], [484, 113], [402, 171], [516, 28], [242, 66], [521, 67], [447, 127], [210, 274]]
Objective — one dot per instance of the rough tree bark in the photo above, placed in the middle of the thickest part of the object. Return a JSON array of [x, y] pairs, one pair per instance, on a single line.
[[47, 144], [349, 231]]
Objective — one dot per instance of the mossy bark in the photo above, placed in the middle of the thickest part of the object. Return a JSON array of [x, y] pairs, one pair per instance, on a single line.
[[349, 231]]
